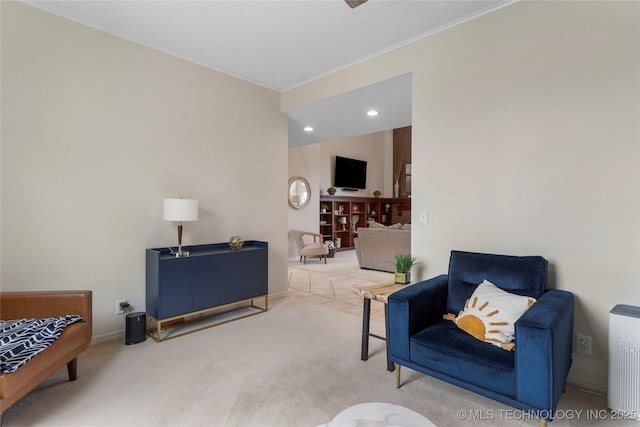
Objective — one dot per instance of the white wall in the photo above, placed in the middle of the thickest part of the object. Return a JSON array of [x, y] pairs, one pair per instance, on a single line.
[[526, 141], [96, 131], [315, 162]]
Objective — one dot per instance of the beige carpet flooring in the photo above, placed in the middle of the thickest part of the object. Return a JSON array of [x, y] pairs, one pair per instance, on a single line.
[[296, 365]]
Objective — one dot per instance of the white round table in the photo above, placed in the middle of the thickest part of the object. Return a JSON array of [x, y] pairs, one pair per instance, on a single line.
[[379, 415]]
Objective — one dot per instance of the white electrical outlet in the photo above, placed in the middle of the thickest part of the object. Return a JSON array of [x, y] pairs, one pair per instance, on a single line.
[[119, 310], [583, 344]]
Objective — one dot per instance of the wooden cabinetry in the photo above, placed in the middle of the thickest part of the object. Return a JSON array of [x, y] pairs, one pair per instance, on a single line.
[[344, 215], [212, 277]]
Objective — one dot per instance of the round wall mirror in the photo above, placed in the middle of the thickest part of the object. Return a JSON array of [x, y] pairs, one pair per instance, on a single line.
[[299, 192]]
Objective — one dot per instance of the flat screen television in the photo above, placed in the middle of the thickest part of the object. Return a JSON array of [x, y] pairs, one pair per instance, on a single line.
[[350, 173]]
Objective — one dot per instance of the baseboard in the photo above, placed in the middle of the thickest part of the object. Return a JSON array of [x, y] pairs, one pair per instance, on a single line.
[[120, 333], [278, 294], [588, 386], [107, 337]]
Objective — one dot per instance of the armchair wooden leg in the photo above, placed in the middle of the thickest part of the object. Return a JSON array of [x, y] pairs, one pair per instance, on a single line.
[[325, 259], [305, 260], [397, 366], [72, 369], [543, 422]]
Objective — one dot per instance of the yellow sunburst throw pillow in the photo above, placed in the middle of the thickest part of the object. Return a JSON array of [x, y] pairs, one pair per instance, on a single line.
[[491, 313]]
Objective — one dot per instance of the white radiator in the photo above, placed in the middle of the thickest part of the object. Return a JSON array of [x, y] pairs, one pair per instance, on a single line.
[[624, 361]]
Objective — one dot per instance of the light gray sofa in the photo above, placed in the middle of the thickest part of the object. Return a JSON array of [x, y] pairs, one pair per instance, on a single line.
[[376, 248]]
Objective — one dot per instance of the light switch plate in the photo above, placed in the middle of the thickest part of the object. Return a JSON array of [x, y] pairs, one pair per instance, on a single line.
[[424, 217]]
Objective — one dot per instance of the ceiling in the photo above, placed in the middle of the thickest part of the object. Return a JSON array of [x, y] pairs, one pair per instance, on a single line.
[[345, 115], [281, 44]]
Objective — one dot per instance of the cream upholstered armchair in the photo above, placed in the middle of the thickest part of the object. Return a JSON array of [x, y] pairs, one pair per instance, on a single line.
[[310, 248]]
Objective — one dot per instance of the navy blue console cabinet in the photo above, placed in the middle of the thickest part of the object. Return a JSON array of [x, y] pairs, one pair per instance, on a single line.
[[213, 277]]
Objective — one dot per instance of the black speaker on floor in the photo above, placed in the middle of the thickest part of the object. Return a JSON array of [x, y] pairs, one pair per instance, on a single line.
[[136, 328]]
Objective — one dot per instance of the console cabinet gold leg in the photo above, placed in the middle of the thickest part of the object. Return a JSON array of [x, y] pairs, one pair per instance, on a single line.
[[203, 315]]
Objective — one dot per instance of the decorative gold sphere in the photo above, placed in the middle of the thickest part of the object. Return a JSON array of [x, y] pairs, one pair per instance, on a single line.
[[236, 243]]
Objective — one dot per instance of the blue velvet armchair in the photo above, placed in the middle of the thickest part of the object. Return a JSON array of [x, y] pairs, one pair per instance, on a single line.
[[531, 377]]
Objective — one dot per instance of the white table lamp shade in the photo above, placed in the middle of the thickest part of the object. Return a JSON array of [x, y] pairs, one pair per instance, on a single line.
[[180, 210]]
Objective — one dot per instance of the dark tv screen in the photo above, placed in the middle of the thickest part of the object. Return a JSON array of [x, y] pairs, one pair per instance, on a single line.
[[350, 173]]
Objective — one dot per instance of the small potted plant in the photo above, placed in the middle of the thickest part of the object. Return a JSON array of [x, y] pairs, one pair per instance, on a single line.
[[324, 207], [404, 263], [377, 194], [331, 191]]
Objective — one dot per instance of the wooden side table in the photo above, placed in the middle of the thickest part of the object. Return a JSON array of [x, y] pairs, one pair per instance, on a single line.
[[378, 292]]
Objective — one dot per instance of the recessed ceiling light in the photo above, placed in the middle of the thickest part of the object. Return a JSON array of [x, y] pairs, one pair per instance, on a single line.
[[308, 129], [372, 113]]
